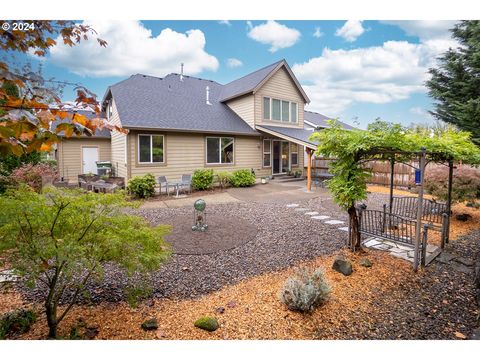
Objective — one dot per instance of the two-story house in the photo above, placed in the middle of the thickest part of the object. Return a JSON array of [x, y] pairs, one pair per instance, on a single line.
[[181, 123]]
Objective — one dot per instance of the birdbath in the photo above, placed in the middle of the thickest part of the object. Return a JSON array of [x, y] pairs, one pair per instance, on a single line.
[[199, 215]]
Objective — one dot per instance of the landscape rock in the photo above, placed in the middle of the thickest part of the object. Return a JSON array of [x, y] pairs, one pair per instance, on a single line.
[[220, 310], [463, 217], [343, 266], [207, 323], [150, 324], [365, 262]]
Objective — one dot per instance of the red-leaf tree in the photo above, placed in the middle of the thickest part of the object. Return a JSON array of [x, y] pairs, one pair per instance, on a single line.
[[29, 103]]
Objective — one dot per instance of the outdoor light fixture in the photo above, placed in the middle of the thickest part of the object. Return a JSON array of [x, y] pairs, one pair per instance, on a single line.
[[199, 215]]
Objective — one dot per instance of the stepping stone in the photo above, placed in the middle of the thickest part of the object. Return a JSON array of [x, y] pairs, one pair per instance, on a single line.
[[343, 228], [402, 256], [334, 222], [382, 247], [301, 209], [431, 248], [311, 213], [445, 257], [292, 205], [371, 242], [396, 250], [403, 247], [464, 261], [320, 217]]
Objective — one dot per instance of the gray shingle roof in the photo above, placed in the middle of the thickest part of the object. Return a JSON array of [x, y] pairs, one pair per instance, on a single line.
[[295, 133], [170, 104], [247, 83], [104, 133], [320, 120]]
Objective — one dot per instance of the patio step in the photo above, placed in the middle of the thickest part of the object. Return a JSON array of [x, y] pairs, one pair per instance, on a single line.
[[286, 178]]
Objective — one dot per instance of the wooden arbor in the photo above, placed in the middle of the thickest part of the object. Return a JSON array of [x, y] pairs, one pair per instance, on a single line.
[[421, 213]]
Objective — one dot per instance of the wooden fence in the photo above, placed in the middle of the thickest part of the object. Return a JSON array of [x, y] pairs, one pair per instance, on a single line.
[[404, 175]]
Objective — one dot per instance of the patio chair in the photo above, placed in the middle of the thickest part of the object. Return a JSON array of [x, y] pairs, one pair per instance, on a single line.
[[186, 182], [162, 182]]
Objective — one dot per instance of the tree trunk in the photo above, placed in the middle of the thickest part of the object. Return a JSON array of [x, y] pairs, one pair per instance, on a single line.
[[354, 241], [51, 320]]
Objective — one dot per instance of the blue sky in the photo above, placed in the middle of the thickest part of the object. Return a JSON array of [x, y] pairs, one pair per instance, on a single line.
[[355, 70]]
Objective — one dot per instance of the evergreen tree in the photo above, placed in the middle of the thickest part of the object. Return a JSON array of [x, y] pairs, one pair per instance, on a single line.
[[455, 84]]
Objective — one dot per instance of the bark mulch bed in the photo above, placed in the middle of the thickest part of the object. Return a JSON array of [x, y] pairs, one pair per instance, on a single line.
[[386, 301]]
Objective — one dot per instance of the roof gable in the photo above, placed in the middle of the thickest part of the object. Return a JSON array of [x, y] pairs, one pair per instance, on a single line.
[[252, 82]]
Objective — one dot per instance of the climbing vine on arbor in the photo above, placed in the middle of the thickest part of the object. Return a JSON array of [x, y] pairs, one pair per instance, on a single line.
[[351, 147]]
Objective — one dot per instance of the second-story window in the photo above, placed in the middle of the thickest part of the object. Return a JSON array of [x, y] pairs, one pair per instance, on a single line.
[[280, 110]]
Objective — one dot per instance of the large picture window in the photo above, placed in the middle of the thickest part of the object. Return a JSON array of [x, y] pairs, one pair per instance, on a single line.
[[280, 110], [150, 148], [220, 150], [267, 152]]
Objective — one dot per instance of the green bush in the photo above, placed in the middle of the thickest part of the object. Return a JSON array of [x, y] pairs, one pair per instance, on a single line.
[[16, 322], [142, 186], [305, 291], [242, 178], [223, 178], [202, 179]]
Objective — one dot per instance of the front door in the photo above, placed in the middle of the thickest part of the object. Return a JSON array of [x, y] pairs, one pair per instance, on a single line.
[[89, 159], [281, 156]]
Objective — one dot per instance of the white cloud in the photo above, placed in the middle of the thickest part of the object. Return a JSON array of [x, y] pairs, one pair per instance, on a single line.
[[275, 34], [380, 74], [351, 30], [132, 49], [317, 32], [225, 22], [425, 29], [233, 63]]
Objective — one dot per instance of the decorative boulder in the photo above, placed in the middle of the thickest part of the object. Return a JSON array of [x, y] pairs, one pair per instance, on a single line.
[[207, 323], [365, 262], [463, 217], [150, 324], [343, 266]]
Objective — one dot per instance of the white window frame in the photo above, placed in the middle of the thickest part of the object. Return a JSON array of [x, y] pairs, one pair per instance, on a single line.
[[151, 149], [281, 112], [219, 149], [265, 153], [293, 152], [110, 109]]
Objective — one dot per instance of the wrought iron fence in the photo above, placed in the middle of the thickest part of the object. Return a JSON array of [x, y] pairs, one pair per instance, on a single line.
[[432, 211], [387, 226]]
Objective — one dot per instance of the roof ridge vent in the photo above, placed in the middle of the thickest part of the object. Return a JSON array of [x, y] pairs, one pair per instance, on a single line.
[[207, 91]]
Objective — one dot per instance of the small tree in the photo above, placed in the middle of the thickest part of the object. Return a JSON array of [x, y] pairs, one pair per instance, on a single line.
[[63, 238], [350, 147]]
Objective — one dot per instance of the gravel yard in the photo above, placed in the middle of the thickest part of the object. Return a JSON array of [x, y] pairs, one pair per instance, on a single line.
[[284, 237]]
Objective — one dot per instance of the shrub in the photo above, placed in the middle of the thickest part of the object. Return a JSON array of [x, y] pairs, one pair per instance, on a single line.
[[223, 178], [33, 175], [202, 179], [16, 322], [305, 291], [466, 182], [242, 178], [62, 238], [142, 186]]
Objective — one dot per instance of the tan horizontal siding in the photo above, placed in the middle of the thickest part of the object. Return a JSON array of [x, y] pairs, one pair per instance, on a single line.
[[70, 155], [244, 107], [184, 153], [279, 86], [118, 145]]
